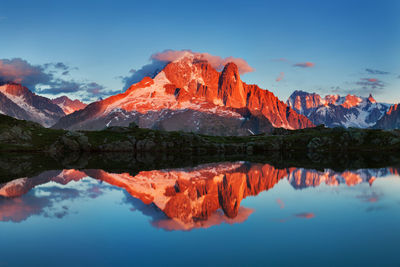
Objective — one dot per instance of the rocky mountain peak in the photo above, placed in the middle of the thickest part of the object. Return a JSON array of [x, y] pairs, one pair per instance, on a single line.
[[230, 87], [371, 99], [68, 105], [14, 89]]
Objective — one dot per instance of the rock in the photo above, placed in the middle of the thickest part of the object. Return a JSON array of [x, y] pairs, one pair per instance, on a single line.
[[133, 125], [16, 134], [281, 131], [314, 144], [150, 145], [394, 141], [73, 134], [69, 143], [140, 145], [83, 141], [376, 141], [357, 137], [117, 146], [250, 149]]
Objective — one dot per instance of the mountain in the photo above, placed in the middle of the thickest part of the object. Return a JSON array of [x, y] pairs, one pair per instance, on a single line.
[[335, 110], [17, 101], [190, 95], [391, 119], [67, 105]]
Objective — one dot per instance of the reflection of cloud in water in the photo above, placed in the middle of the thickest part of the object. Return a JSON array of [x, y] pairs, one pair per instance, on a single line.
[[305, 215], [280, 203], [370, 197], [19, 209], [49, 200], [301, 215]]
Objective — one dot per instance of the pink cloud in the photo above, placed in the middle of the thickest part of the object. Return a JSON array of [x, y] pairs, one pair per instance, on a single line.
[[215, 61], [280, 77], [281, 59], [304, 65], [20, 71]]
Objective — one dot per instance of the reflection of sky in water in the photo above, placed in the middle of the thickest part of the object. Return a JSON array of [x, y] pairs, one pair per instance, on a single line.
[[101, 224]]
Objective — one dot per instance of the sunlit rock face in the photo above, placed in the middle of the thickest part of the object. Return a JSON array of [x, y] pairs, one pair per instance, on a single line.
[[391, 119], [190, 95], [338, 111], [175, 199], [19, 102]]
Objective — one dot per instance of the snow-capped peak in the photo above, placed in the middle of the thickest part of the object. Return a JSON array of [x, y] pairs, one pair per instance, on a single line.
[[336, 110]]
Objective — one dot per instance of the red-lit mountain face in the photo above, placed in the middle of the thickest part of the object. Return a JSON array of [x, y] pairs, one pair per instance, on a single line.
[[391, 119], [67, 105], [190, 95], [17, 101]]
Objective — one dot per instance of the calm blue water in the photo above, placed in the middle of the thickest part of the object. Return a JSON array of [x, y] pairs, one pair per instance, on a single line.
[[293, 217]]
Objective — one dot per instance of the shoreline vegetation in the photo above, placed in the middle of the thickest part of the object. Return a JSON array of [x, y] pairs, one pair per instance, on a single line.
[[25, 136]]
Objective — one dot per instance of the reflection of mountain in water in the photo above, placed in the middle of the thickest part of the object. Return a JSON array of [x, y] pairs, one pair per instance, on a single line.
[[187, 198]]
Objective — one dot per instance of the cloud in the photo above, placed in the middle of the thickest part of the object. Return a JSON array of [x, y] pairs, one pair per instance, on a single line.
[[86, 91], [95, 89], [59, 86], [161, 59], [150, 70], [304, 65], [20, 71], [372, 71], [336, 89], [362, 87], [216, 62], [371, 84], [281, 59], [280, 77], [48, 78]]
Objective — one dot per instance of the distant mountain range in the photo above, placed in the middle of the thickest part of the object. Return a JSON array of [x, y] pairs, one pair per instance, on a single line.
[[189, 95], [335, 110]]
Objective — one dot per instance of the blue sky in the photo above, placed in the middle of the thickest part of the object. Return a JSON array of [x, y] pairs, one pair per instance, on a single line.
[[100, 41]]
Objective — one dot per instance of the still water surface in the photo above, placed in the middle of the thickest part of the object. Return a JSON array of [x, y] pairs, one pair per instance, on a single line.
[[226, 213]]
